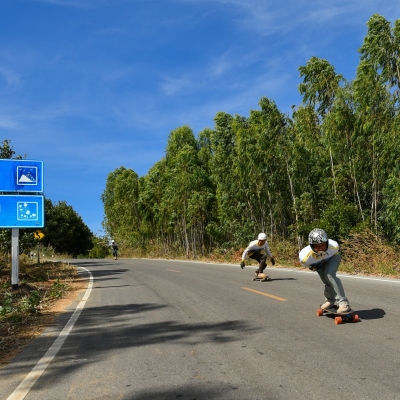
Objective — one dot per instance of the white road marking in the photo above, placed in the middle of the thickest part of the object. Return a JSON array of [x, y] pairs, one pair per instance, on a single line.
[[26, 385]]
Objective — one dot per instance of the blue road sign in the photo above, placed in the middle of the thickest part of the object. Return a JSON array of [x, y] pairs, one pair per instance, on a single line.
[[21, 176], [21, 211]]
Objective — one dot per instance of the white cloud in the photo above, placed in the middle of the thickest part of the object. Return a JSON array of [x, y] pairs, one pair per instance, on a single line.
[[8, 123], [269, 17], [11, 78], [172, 85], [75, 3]]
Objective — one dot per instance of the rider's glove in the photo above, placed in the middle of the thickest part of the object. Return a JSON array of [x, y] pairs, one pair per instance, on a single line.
[[242, 264], [272, 260]]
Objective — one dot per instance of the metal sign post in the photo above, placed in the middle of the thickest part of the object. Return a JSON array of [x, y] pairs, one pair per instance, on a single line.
[[14, 257], [38, 235]]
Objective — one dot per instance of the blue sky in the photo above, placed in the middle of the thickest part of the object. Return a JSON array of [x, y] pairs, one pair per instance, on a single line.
[[88, 86]]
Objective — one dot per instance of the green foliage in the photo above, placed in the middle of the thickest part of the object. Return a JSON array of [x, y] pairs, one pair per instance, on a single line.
[[390, 215], [381, 49], [320, 83], [57, 289], [120, 199], [65, 230], [100, 248], [29, 303], [6, 150], [6, 306]]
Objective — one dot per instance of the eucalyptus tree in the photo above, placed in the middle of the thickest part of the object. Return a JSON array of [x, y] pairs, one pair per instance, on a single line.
[[187, 192], [381, 49], [222, 141], [340, 126], [306, 162], [120, 199], [320, 83], [377, 110], [154, 223], [319, 87], [341, 182], [260, 167]]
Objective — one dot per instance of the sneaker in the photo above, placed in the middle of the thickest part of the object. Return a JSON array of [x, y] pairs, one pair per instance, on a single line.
[[343, 308], [327, 304]]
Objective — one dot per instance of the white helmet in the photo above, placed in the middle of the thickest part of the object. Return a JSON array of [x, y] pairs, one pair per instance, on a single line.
[[262, 236], [112, 241], [317, 236]]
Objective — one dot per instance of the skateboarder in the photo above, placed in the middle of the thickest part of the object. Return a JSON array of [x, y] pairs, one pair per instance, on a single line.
[[258, 250], [114, 247], [322, 255]]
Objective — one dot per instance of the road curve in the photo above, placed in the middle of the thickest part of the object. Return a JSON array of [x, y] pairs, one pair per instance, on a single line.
[[154, 329]]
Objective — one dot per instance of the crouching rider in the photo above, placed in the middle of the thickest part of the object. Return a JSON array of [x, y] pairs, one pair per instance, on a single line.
[[322, 255], [258, 250]]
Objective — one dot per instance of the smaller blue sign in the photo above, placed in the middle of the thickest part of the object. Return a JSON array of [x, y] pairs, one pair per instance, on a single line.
[[21, 211], [21, 176], [27, 175]]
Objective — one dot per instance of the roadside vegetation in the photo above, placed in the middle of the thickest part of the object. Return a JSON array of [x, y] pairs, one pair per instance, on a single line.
[[25, 312]]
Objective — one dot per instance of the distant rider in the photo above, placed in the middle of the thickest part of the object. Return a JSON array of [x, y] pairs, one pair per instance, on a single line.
[[114, 247], [322, 255], [258, 250]]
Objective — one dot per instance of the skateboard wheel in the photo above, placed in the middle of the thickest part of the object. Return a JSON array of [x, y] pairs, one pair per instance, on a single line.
[[320, 312], [338, 320], [355, 318]]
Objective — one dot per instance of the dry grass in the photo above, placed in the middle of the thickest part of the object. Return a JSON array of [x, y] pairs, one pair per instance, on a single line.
[[369, 254], [44, 291]]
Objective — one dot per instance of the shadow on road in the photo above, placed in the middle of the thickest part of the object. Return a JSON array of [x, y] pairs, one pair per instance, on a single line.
[[101, 330], [105, 274], [204, 390], [283, 279], [375, 313]]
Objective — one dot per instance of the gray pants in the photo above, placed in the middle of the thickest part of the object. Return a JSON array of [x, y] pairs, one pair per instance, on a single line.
[[334, 291]]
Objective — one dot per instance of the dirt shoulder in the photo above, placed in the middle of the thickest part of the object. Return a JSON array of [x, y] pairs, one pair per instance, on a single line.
[[14, 336]]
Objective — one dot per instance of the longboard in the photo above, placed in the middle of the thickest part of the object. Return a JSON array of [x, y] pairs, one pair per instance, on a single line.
[[262, 278], [340, 318]]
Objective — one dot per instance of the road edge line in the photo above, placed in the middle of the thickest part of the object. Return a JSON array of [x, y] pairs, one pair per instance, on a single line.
[[26, 385]]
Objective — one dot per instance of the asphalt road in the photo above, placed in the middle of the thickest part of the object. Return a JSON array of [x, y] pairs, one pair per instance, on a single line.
[[153, 329]]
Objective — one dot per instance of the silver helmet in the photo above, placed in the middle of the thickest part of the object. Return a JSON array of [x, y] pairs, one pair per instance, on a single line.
[[316, 236]]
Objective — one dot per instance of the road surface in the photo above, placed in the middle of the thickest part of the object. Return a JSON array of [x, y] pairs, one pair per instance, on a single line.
[[154, 329]]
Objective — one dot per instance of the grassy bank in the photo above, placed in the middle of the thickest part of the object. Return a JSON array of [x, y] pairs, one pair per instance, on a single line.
[[26, 311]]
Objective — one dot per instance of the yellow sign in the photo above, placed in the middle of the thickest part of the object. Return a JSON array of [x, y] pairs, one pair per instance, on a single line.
[[38, 235]]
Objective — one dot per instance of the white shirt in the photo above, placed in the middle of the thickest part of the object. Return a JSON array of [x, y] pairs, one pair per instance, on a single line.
[[253, 246], [310, 258]]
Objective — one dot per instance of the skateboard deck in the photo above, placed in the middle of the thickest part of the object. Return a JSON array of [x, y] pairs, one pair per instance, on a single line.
[[262, 278], [340, 318]]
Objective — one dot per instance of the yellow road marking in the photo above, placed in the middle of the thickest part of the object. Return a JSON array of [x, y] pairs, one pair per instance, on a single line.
[[172, 270], [265, 294]]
